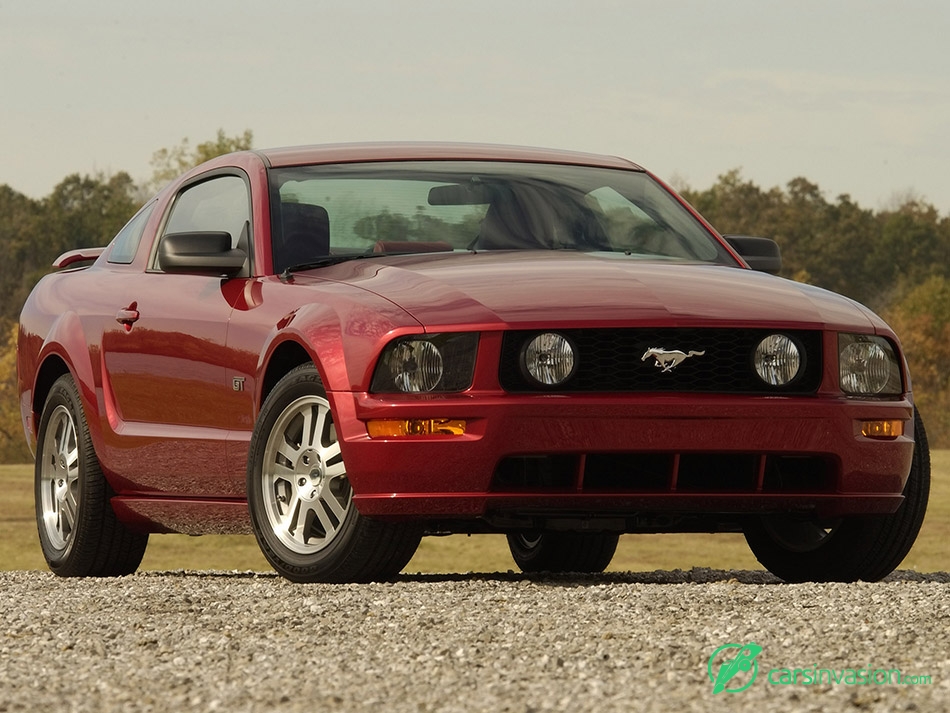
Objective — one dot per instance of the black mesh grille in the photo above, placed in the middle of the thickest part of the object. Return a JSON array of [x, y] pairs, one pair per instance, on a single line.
[[613, 360]]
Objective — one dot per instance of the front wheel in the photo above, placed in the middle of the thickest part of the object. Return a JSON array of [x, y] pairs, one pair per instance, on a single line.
[[79, 532], [799, 549], [301, 501], [587, 552]]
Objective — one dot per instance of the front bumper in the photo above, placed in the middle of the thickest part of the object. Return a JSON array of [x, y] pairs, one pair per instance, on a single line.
[[596, 456]]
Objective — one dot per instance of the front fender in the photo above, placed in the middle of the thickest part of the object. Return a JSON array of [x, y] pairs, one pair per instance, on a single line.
[[344, 348]]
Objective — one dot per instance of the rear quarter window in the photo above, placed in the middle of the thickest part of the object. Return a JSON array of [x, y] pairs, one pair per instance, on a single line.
[[126, 243]]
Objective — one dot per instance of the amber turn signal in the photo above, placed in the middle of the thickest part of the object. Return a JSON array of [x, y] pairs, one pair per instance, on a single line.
[[882, 429], [396, 428]]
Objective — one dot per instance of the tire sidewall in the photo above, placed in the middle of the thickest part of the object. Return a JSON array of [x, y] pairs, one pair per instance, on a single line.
[[527, 548], [64, 394]]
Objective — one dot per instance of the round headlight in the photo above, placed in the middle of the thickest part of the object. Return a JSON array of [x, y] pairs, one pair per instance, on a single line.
[[777, 360], [549, 359], [416, 365], [865, 368]]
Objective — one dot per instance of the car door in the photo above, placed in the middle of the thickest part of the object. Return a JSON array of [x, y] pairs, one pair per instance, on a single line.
[[165, 357]]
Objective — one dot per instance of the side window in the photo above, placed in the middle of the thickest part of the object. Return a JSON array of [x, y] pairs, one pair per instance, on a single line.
[[218, 204], [126, 243]]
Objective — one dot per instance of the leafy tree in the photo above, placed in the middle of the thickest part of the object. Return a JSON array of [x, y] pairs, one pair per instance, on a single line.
[[922, 319], [910, 247], [12, 443], [19, 219], [834, 256], [738, 207], [85, 211], [169, 163], [81, 211]]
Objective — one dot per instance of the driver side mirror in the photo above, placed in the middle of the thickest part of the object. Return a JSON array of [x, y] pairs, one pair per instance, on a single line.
[[203, 253]]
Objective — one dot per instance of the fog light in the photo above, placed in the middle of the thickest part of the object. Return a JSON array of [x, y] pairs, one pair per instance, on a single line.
[[882, 429], [777, 360], [548, 359], [400, 428]]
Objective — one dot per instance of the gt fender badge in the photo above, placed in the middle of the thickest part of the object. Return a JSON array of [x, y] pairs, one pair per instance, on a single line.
[[668, 359]]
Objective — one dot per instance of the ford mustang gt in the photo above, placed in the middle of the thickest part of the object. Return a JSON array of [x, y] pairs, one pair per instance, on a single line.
[[345, 348]]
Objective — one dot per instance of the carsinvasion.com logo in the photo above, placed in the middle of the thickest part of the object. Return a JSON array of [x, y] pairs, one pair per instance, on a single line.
[[732, 667]]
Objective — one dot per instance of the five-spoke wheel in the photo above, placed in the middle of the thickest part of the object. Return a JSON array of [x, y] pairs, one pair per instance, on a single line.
[[58, 479], [300, 500], [305, 491]]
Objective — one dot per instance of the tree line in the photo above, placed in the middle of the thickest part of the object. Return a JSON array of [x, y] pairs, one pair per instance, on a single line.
[[894, 260]]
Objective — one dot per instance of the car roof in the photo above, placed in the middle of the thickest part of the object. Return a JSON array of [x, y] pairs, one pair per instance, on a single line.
[[428, 151]]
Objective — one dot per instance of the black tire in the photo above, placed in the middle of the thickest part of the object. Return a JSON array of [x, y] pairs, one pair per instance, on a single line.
[[563, 551], [300, 499], [79, 532], [859, 547]]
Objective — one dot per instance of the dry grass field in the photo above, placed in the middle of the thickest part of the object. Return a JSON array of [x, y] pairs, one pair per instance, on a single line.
[[20, 550]]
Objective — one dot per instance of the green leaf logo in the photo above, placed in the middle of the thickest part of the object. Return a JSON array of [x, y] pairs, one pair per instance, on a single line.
[[732, 661]]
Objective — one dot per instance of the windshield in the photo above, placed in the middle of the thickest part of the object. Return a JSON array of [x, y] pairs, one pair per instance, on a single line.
[[334, 212]]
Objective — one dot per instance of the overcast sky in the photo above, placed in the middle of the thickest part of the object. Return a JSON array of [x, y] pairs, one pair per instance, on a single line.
[[854, 96]]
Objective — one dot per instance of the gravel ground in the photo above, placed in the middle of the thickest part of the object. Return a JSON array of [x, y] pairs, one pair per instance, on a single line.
[[239, 641]]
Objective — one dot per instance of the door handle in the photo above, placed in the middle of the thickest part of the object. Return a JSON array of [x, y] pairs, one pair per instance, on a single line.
[[128, 316]]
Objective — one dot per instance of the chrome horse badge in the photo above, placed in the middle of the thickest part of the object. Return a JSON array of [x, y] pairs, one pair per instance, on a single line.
[[667, 359]]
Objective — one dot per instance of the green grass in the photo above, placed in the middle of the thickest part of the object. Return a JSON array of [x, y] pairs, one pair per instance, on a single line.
[[20, 549]]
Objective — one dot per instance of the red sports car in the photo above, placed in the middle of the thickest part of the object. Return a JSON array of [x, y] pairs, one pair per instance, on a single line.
[[345, 348]]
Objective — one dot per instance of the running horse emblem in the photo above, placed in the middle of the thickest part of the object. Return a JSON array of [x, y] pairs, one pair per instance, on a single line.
[[668, 359]]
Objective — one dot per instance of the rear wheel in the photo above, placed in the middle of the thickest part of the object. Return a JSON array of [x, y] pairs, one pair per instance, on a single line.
[[563, 551], [300, 499], [848, 549], [79, 532]]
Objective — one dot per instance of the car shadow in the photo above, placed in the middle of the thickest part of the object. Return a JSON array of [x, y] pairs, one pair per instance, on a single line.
[[696, 575]]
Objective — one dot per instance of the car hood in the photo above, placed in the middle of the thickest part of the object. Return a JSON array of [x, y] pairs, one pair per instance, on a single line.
[[534, 288]]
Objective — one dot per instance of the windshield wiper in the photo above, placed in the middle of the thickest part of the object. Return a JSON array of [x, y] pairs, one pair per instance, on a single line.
[[323, 262]]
